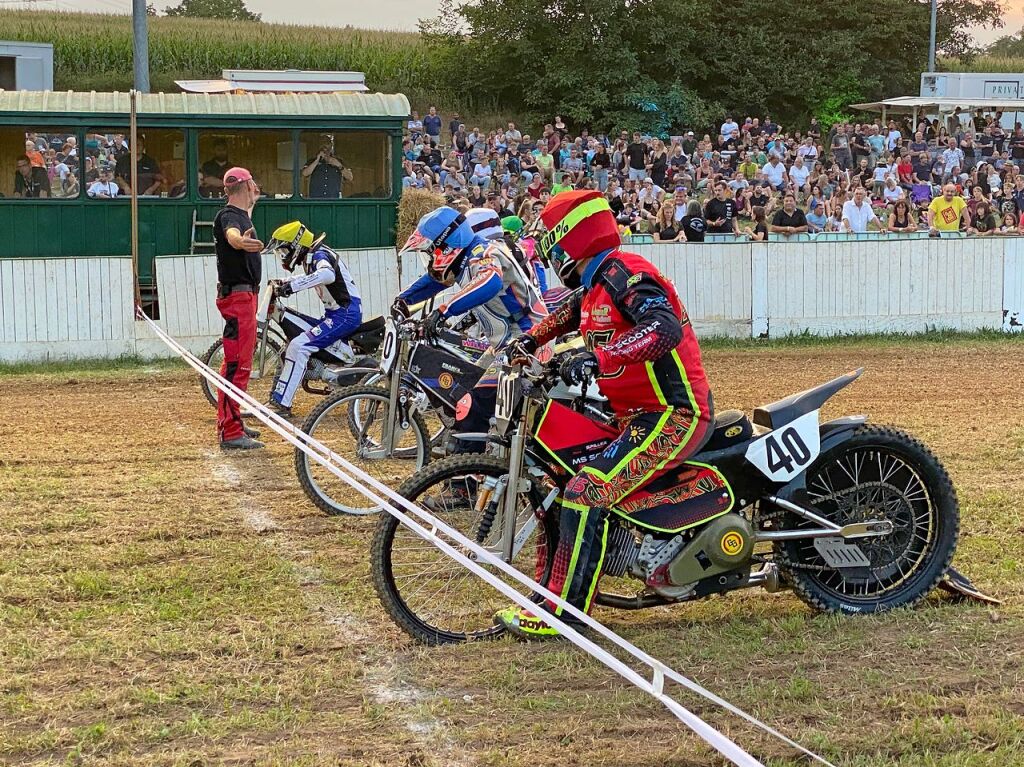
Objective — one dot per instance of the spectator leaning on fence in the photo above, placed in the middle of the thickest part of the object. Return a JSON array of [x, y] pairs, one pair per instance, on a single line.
[[857, 213], [946, 213], [790, 219]]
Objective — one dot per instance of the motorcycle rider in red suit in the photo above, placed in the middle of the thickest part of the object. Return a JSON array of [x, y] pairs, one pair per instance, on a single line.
[[643, 352]]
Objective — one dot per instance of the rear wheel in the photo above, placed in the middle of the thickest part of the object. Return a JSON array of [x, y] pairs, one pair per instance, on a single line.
[[265, 367], [879, 473], [430, 596], [351, 422]]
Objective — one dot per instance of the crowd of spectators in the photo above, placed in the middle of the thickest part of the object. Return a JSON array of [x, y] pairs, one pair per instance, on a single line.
[[751, 179], [53, 166]]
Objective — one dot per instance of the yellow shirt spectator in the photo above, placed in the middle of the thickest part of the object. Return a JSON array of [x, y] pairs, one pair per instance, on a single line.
[[946, 213]]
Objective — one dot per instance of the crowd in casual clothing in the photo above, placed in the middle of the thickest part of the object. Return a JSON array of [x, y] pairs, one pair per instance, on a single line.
[[747, 179]]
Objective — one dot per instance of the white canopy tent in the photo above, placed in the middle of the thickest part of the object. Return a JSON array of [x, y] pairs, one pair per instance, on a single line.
[[915, 105]]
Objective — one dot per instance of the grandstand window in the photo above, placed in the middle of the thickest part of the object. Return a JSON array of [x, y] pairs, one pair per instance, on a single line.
[[39, 162], [344, 164], [161, 163], [267, 154]]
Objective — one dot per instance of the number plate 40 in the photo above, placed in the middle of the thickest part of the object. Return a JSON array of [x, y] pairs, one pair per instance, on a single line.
[[784, 453]]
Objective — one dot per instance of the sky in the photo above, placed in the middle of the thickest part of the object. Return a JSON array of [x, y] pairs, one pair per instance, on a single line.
[[380, 14]]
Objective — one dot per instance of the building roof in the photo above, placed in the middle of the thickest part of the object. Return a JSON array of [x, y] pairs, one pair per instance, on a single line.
[[393, 105], [907, 104]]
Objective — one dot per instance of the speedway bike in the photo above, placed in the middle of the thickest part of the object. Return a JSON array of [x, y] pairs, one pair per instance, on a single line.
[[400, 417], [854, 517], [390, 423], [276, 324]]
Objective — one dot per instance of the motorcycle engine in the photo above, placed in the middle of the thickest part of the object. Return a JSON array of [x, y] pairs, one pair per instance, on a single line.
[[622, 550], [723, 544]]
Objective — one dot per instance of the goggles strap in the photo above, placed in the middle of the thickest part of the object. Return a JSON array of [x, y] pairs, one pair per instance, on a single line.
[[447, 232]]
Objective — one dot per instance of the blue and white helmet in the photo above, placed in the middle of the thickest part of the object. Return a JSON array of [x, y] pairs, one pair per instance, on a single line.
[[485, 222], [443, 235]]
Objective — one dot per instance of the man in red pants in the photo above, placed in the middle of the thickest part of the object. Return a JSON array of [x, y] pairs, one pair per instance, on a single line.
[[238, 283]]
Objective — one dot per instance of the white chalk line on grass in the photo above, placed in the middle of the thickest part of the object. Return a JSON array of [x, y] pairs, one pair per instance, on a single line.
[[454, 544], [383, 682]]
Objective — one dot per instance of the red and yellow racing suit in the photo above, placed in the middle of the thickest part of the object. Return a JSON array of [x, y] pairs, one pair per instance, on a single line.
[[650, 370]]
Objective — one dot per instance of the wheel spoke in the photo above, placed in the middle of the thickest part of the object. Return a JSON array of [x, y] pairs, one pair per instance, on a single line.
[[865, 483]]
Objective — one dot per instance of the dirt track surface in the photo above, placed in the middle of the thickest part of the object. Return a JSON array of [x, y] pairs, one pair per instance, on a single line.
[[161, 603]]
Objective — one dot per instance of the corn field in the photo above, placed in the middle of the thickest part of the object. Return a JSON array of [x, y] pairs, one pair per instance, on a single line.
[[94, 51], [984, 64]]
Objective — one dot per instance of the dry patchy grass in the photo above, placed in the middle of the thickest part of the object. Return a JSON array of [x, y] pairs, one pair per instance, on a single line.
[[163, 604]]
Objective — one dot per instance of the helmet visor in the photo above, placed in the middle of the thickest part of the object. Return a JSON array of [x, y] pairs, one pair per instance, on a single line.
[[417, 243]]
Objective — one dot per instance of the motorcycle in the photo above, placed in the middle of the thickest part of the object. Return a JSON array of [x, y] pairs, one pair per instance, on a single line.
[[854, 517], [396, 420], [341, 364], [391, 421]]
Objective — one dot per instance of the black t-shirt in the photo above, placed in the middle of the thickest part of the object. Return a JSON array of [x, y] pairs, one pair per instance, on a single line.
[[1017, 147], [668, 233], [601, 160], [637, 154], [658, 169], [695, 227], [716, 209], [759, 198], [214, 168], [148, 169], [782, 218], [234, 267], [987, 145], [986, 224], [37, 183]]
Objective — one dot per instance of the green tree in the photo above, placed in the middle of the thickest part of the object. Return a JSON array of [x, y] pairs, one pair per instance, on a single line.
[[661, 64], [213, 9]]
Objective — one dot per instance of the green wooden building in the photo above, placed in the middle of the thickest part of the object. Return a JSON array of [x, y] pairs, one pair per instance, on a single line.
[[65, 169]]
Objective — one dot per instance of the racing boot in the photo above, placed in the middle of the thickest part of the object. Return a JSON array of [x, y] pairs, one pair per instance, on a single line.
[[250, 433], [241, 443], [524, 624], [284, 411]]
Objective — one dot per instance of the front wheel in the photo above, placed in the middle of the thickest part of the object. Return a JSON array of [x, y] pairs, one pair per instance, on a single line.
[[879, 473], [432, 597], [352, 423]]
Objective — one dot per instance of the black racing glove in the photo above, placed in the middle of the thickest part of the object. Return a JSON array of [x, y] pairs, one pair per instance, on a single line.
[[399, 310], [434, 323], [283, 289], [520, 348], [578, 368]]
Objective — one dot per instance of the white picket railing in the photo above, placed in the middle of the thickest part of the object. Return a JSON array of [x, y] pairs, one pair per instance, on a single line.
[[68, 308]]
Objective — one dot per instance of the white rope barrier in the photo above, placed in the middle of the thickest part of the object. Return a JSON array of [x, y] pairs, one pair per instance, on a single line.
[[430, 528]]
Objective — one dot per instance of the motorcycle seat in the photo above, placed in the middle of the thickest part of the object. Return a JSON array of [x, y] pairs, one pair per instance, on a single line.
[[372, 325], [731, 428], [789, 409], [368, 336]]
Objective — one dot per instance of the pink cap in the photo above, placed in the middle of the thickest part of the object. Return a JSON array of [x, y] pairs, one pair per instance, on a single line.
[[237, 175]]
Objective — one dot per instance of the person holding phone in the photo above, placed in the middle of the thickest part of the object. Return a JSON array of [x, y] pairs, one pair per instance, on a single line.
[[326, 174]]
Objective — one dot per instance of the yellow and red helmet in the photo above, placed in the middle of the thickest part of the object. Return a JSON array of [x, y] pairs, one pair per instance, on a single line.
[[579, 224]]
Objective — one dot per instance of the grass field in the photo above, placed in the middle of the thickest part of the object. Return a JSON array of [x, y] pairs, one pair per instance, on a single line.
[[164, 604]]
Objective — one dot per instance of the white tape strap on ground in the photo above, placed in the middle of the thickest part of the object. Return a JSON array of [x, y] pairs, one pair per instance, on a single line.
[[430, 528]]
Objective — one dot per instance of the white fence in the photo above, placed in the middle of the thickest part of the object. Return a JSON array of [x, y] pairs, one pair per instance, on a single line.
[[67, 308]]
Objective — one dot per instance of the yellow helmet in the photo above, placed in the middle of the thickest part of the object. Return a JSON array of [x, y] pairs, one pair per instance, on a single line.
[[291, 242]]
